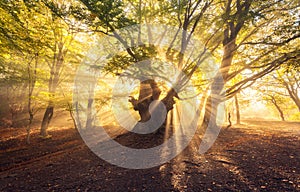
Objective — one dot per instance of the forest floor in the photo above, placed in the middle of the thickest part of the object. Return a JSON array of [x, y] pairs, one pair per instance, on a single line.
[[254, 156]]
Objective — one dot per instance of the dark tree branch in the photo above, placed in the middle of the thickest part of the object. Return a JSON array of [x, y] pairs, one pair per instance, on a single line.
[[272, 66], [274, 43]]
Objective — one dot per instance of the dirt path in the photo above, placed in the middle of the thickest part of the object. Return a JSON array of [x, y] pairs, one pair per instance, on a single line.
[[255, 156]]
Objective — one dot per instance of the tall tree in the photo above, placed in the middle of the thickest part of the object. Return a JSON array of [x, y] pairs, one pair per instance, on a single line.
[[37, 38], [22, 37], [62, 49], [110, 17], [237, 30], [245, 23]]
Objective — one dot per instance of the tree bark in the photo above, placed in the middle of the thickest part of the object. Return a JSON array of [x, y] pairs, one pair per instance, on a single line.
[[210, 115], [32, 75], [217, 86], [294, 95], [297, 102], [149, 91], [77, 121], [229, 120], [28, 130], [14, 115], [89, 118], [46, 120], [273, 100], [55, 72], [71, 112], [237, 109], [233, 24], [202, 101]]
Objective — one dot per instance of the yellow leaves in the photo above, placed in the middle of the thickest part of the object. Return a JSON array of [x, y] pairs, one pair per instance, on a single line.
[[7, 56]]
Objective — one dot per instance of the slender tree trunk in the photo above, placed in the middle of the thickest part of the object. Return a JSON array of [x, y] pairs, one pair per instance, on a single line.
[[297, 102], [71, 112], [293, 94], [89, 108], [46, 119], [70, 109], [237, 109], [298, 105], [14, 115], [48, 114], [273, 100], [30, 111], [77, 121], [89, 118], [55, 72], [28, 130], [31, 84], [229, 120]]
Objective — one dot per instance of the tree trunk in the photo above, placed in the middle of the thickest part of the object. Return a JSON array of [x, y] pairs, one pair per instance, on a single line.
[[14, 115], [149, 91], [233, 24], [71, 112], [273, 100], [55, 72], [297, 102], [218, 85], [211, 107], [237, 108], [28, 130], [46, 120], [210, 115], [89, 118], [77, 121], [31, 84], [146, 96], [202, 101], [229, 120], [293, 94], [30, 111]]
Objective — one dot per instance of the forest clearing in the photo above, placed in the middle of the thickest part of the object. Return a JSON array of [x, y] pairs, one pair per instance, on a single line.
[[135, 95], [254, 156]]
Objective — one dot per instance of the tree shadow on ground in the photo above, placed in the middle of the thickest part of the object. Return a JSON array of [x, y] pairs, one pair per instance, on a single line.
[[243, 158]]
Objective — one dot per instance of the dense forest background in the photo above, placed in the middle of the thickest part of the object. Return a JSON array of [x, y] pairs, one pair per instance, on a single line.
[[229, 69], [255, 44]]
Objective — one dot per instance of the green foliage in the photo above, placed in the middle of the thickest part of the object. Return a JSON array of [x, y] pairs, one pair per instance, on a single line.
[[121, 61], [53, 35], [107, 15]]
